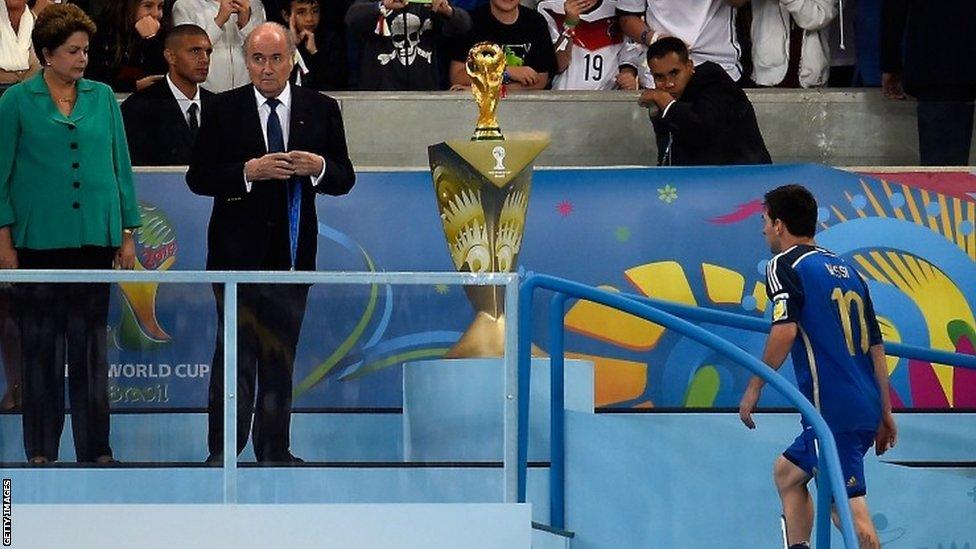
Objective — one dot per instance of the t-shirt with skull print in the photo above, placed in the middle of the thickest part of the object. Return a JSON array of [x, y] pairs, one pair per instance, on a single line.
[[399, 48], [526, 41]]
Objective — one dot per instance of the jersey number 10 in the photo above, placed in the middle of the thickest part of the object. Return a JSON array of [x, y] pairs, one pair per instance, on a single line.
[[844, 302]]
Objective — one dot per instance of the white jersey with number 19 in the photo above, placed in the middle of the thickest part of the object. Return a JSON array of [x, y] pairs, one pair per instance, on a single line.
[[597, 43]]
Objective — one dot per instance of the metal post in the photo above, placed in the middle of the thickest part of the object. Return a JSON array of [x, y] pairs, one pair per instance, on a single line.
[[510, 460], [524, 377], [824, 500], [230, 392], [557, 410]]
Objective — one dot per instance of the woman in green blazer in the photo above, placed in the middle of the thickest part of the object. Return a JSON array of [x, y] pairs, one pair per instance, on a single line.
[[66, 202]]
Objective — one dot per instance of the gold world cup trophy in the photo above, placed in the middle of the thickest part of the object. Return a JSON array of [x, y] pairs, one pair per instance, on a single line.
[[482, 189], [486, 67]]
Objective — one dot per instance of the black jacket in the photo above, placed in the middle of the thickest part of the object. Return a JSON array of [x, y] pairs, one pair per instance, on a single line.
[[156, 128], [248, 227], [141, 58], [408, 57], [712, 124], [938, 60], [328, 69]]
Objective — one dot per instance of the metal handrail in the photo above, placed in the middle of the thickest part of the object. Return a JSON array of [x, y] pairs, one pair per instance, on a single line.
[[256, 277], [231, 279], [829, 463], [761, 325]]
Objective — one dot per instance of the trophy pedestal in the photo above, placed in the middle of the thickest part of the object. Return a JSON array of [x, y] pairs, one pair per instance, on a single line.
[[453, 409], [482, 190]]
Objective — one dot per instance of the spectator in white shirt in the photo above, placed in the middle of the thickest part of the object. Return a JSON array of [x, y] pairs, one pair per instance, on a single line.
[[707, 26], [589, 45], [790, 45], [227, 22], [17, 59]]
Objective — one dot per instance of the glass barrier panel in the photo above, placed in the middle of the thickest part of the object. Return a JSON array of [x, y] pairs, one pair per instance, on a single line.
[[380, 414], [130, 364]]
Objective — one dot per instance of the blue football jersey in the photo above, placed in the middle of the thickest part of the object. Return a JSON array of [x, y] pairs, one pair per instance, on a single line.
[[830, 303]]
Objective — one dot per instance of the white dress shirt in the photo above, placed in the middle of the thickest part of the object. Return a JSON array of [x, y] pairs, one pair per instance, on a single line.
[[185, 101], [283, 111]]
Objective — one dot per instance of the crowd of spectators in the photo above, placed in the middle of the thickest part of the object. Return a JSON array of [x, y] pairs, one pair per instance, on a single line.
[[414, 44], [421, 45], [59, 67]]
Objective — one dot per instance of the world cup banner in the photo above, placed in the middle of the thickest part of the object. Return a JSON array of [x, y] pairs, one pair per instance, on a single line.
[[690, 235]]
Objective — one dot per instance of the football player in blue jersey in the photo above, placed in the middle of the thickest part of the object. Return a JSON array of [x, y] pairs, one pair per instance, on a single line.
[[822, 314]]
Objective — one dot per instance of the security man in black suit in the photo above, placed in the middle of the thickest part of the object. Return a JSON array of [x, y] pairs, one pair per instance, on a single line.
[[703, 117], [263, 152], [161, 121]]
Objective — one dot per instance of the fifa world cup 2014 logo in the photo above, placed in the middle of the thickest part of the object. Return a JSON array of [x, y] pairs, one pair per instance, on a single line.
[[486, 67], [155, 251]]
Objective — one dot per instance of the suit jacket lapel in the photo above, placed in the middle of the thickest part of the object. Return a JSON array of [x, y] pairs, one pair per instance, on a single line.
[[173, 109], [251, 121], [300, 118]]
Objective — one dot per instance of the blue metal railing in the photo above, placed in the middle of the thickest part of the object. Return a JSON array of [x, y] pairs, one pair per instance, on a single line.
[[698, 314], [830, 480], [754, 324]]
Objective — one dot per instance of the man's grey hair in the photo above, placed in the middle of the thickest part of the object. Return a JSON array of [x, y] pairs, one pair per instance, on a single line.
[[277, 27]]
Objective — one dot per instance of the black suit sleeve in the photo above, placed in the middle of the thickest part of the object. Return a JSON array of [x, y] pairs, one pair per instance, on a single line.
[[327, 70], [894, 15], [339, 176], [133, 117], [212, 172], [660, 137], [698, 122]]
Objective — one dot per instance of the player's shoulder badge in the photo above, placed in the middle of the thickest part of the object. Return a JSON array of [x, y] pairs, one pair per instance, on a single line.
[[779, 308]]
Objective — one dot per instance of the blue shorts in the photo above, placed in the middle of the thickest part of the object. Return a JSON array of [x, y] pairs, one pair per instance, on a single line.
[[851, 447]]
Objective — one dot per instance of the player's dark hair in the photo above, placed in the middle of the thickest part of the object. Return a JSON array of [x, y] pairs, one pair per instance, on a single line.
[[795, 206], [666, 45]]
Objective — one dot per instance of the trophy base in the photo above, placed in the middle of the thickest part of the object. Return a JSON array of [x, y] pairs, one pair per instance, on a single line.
[[484, 338], [493, 133]]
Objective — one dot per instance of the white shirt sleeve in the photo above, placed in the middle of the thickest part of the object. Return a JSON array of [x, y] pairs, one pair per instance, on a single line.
[[321, 175], [257, 17], [550, 23], [632, 6], [811, 15], [664, 113], [186, 11]]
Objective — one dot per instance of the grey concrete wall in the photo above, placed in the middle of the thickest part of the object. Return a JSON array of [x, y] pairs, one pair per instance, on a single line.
[[841, 128]]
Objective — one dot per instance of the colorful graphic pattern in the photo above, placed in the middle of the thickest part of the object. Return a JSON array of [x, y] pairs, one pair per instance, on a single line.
[[919, 296], [686, 235]]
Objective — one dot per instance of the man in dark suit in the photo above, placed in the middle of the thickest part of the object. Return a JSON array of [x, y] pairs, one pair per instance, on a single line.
[[263, 152], [703, 117], [161, 121], [929, 48]]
